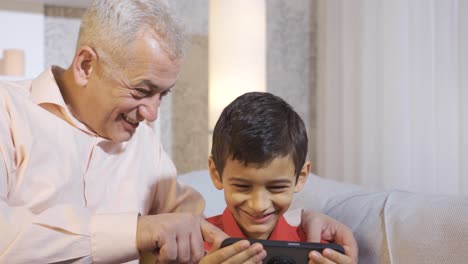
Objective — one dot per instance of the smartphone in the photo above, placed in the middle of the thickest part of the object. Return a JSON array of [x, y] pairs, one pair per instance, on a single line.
[[287, 252]]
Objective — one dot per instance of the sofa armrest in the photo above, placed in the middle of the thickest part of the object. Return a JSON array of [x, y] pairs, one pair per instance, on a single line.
[[404, 227]]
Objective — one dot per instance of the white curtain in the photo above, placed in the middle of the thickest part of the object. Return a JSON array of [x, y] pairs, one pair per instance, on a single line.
[[392, 95]]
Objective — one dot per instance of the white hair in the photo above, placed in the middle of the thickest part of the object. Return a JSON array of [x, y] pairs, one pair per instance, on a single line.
[[110, 26]]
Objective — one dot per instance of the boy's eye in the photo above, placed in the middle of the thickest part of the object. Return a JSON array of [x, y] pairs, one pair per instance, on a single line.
[[278, 188], [241, 186]]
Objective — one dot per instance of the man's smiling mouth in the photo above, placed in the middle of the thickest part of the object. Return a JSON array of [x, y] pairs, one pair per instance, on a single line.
[[130, 120]]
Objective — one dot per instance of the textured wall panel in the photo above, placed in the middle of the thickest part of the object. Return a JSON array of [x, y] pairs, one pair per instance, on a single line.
[[291, 58], [190, 109], [184, 117], [62, 25]]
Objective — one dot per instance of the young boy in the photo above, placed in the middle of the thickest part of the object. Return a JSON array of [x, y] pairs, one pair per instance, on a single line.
[[258, 157]]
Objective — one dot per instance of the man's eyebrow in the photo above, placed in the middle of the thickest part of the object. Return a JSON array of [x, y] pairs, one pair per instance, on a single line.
[[152, 86]]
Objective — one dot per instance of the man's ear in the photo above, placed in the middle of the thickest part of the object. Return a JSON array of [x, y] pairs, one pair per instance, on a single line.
[[302, 178], [214, 174], [84, 63]]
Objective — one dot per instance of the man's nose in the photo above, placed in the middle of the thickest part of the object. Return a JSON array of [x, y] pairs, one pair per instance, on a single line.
[[149, 109]]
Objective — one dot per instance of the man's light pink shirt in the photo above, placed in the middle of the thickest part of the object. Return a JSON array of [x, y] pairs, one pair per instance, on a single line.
[[66, 193]]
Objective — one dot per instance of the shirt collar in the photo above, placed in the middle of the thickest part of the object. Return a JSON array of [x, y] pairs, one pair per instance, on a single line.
[[284, 231], [46, 93], [231, 228], [44, 90]]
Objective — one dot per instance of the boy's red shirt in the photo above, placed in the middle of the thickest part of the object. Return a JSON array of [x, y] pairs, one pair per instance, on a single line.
[[282, 231]]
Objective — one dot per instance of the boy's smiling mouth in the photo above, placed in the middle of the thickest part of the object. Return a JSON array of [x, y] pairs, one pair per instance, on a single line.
[[259, 218]]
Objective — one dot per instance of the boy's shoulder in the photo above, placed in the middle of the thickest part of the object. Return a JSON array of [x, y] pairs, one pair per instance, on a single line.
[[284, 231], [216, 220]]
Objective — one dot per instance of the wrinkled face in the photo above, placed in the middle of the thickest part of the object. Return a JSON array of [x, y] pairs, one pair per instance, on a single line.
[[129, 96], [257, 197]]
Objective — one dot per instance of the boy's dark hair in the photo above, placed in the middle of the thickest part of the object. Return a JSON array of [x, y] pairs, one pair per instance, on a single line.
[[257, 128]]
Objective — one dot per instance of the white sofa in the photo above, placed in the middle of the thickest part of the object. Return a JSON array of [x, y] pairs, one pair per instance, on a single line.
[[390, 227]]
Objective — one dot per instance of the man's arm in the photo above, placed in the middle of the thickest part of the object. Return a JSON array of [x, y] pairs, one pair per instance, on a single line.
[[169, 195], [27, 236], [64, 233], [26, 239], [172, 230]]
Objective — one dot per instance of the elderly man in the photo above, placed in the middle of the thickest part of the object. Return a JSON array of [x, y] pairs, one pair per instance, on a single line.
[[82, 178]]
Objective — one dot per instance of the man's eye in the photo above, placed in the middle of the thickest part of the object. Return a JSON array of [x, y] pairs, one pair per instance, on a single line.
[[165, 93], [142, 92]]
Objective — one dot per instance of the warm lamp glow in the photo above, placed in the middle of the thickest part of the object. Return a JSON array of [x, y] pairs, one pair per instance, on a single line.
[[237, 43]]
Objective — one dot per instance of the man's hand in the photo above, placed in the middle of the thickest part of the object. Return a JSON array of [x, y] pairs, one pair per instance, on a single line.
[[321, 227], [173, 237]]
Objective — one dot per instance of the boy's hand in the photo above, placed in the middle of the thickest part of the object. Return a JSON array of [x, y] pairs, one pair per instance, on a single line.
[[321, 227], [330, 256], [239, 252]]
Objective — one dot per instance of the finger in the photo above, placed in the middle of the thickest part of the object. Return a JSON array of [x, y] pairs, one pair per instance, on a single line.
[[212, 235], [352, 252], [312, 227], [336, 256], [183, 249], [252, 254], [197, 246], [316, 258], [223, 254], [167, 249], [239, 252], [322, 227], [344, 236]]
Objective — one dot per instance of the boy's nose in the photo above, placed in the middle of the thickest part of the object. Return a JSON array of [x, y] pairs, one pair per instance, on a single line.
[[259, 202]]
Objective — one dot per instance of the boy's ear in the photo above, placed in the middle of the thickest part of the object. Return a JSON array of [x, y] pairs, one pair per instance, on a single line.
[[303, 175], [84, 64], [215, 177]]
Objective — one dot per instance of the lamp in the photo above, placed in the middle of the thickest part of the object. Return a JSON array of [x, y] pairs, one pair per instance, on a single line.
[[237, 56]]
